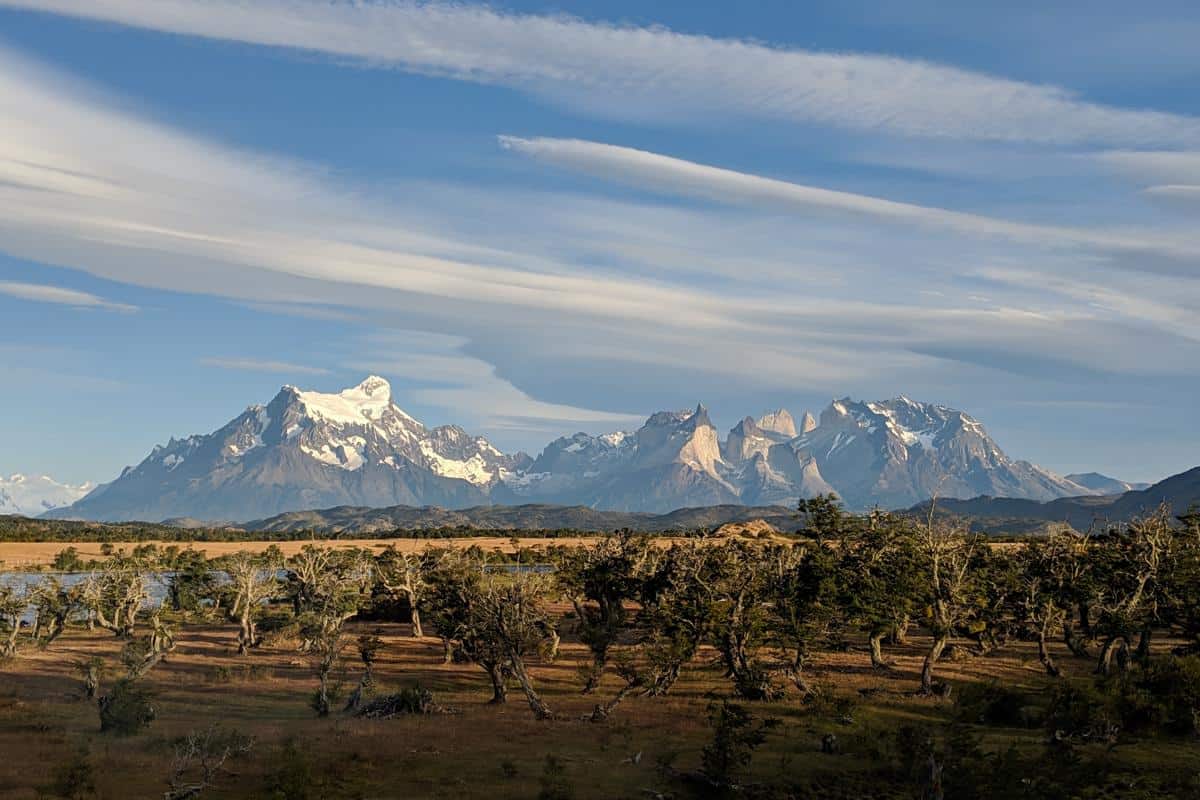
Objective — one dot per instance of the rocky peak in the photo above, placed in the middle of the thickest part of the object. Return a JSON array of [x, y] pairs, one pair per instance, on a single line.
[[808, 423], [778, 421], [747, 427]]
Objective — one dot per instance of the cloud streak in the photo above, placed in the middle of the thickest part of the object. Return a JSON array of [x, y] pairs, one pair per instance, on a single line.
[[678, 177], [257, 365], [41, 293], [654, 73]]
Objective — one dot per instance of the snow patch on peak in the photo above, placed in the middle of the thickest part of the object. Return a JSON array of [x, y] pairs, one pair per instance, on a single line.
[[617, 438], [365, 402]]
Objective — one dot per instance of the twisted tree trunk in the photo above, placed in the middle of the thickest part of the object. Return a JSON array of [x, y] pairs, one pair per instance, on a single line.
[[935, 652], [1044, 652], [876, 642], [536, 704]]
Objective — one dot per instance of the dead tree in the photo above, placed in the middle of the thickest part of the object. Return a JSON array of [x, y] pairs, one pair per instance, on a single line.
[[200, 759]]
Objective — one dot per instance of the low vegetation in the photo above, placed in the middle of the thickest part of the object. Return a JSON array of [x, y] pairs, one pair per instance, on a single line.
[[869, 656]]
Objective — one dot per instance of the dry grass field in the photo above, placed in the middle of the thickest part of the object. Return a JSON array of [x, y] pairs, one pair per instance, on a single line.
[[18, 555], [483, 751]]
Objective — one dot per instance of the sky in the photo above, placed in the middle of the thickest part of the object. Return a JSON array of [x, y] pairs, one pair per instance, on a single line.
[[537, 218]]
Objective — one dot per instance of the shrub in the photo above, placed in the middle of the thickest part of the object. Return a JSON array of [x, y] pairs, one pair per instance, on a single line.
[[127, 709], [1083, 712], [74, 779], [220, 673], [735, 738], [1170, 689], [992, 704], [555, 785], [68, 560], [294, 777]]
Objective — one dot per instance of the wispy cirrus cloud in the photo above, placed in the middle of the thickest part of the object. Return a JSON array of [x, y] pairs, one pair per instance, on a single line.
[[575, 308], [58, 295], [436, 372], [641, 72], [1156, 166], [259, 365], [679, 177]]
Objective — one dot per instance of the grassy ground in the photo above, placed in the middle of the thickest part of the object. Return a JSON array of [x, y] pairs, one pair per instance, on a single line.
[[33, 555], [483, 751]]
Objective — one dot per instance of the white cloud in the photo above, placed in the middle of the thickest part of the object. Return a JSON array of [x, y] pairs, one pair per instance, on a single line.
[[1177, 193], [41, 293], [150, 190], [256, 365], [436, 372], [643, 72], [570, 304], [686, 178], [1157, 166]]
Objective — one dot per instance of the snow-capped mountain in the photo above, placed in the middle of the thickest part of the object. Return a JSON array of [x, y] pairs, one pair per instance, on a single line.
[[899, 452], [893, 453], [306, 450], [30, 495], [672, 461]]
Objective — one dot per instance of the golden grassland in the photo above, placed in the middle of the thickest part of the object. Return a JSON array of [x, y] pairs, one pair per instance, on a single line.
[[15, 556], [18, 555], [483, 751]]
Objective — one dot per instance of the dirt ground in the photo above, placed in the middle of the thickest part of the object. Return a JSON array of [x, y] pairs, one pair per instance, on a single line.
[[482, 751]]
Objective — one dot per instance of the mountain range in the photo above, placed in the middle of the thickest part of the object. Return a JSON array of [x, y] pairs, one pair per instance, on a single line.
[[306, 450], [31, 495], [1178, 493]]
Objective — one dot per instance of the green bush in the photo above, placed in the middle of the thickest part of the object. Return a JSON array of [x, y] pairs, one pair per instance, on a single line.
[[127, 709], [1164, 694], [1083, 712]]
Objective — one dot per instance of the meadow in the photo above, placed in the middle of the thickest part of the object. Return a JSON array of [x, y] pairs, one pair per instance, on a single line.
[[865, 657]]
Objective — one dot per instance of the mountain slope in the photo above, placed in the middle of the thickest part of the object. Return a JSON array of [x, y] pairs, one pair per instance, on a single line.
[[1178, 492], [360, 521], [1102, 484]]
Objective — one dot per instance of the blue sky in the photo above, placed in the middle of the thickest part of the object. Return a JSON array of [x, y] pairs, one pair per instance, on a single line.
[[535, 219]]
